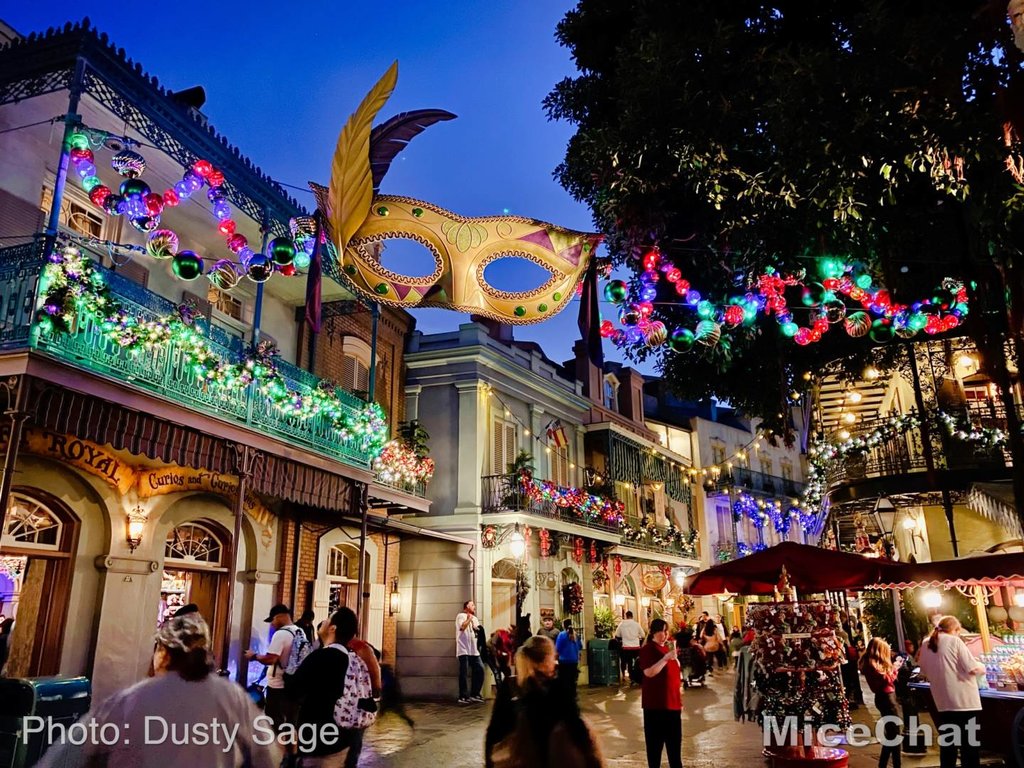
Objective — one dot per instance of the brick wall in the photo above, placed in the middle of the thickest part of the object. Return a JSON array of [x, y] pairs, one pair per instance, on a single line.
[[393, 328], [387, 569]]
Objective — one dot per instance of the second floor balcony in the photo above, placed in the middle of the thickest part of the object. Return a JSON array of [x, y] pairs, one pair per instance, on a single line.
[[744, 479], [508, 494], [199, 366]]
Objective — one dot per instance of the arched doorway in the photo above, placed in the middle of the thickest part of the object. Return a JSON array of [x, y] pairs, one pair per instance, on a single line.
[[625, 598], [195, 571], [343, 575], [503, 593], [37, 547]]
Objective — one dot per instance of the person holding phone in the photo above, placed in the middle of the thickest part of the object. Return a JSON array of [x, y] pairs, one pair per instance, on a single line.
[[660, 697]]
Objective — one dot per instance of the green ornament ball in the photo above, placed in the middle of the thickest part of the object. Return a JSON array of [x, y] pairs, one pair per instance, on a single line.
[[880, 334], [187, 265], [282, 250], [681, 340], [616, 291]]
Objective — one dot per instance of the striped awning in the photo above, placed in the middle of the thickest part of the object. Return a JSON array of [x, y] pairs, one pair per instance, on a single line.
[[67, 412], [995, 501], [983, 571]]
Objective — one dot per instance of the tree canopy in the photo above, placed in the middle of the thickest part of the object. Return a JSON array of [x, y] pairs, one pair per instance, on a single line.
[[740, 136]]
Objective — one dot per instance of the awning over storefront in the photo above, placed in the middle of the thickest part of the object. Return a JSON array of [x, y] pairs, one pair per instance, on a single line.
[[995, 502], [810, 569], [983, 571], [63, 411]]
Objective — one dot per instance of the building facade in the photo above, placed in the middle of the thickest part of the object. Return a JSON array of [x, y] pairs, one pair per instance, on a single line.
[[156, 453], [579, 512]]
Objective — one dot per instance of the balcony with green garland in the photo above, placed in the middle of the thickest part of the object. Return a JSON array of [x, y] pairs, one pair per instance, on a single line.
[[272, 397]]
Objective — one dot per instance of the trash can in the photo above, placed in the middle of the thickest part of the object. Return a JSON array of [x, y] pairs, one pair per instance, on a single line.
[[61, 700], [604, 663]]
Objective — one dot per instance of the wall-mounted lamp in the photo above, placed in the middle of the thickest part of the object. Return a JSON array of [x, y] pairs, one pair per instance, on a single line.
[[517, 544], [932, 599], [135, 524], [620, 600], [645, 601], [395, 600]]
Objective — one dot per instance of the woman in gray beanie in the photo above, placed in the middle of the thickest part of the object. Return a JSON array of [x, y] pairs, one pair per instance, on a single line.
[[182, 716]]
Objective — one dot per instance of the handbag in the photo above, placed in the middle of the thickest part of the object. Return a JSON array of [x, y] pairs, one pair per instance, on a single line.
[[258, 692]]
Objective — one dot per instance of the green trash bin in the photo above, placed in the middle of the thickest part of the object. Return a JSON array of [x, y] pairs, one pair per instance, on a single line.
[[604, 663], [60, 700]]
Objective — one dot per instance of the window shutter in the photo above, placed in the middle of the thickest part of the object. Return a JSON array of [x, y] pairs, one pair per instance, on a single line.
[[137, 274], [498, 466], [510, 444], [321, 596]]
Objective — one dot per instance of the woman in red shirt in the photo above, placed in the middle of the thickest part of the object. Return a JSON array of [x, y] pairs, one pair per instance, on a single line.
[[880, 673], [660, 697]]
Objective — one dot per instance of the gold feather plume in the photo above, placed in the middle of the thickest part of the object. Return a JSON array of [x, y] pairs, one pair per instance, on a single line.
[[351, 190]]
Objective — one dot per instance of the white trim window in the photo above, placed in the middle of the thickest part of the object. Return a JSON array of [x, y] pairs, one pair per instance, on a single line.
[[31, 525], [355, 364], [193, 544], [611, 392]]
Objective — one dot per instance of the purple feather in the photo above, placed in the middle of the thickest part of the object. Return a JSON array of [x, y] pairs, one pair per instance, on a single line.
[[391, 137]]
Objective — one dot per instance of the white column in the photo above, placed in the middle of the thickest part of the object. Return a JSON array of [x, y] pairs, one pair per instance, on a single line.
[[472, 446], [412, 402], [581, 456]]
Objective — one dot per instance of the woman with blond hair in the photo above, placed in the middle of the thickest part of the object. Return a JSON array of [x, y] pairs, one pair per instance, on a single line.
[[880, 673], [952, 673], [536, 721]]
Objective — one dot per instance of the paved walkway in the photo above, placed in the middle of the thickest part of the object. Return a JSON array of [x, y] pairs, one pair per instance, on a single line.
[[449, 736]]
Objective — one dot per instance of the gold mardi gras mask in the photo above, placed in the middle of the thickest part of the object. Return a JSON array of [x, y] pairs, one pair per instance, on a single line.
[[359, 220]]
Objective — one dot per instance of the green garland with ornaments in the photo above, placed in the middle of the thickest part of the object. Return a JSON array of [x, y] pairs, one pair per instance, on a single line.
[[73, 287]]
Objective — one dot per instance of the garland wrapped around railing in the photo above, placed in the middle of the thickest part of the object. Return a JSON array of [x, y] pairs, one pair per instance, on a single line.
[[398, 463], [989, 438], [588, 506], [72, 286], [648, 531]]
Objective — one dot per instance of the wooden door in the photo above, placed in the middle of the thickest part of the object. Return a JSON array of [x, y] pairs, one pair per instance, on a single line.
[[205, 590], [503, 609]]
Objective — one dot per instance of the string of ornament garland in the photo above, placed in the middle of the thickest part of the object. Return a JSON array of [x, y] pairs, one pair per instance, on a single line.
[[72, 287], [143, 208], [761, 512], [878, 316], [587, 506]]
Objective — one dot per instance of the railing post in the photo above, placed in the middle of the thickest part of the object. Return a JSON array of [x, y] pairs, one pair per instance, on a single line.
[[71, 119]]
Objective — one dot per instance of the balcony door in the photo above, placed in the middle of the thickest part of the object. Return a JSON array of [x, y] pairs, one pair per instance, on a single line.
[[504, 446]]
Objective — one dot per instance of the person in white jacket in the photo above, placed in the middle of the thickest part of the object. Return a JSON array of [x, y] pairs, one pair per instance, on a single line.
[[952, 673]]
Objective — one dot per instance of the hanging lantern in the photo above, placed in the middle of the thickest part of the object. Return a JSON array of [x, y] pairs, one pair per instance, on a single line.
[[618, 566], [577, 550], [162, 244]]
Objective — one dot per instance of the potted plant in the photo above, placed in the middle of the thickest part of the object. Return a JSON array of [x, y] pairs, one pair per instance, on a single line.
[[604, 622], [514, 498]]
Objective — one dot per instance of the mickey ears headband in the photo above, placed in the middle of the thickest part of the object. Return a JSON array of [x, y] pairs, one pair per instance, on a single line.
[[359, 220]]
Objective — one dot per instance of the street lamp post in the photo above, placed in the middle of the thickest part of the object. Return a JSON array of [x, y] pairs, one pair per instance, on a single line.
[[885, 516]]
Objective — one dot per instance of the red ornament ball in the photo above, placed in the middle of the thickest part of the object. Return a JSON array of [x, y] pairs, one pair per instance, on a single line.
[[215, 178], [802, 337], [607, 328], [682, 287], [287, 270], [154, 204], [98, 194], [171, 197], [237, 242], [227, 227], [203, 167], [734, 314]]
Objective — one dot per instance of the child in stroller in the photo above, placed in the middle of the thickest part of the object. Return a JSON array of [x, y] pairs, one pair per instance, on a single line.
[[692, 659]]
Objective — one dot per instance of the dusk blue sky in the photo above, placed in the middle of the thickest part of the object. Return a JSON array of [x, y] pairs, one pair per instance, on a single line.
[[281, 78]]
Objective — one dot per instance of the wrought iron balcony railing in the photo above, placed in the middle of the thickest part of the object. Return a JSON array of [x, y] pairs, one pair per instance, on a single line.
[[504, 494], [162, 370], [759, 482]]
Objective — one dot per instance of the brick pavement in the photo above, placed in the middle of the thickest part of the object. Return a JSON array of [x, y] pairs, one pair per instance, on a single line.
[[448, 736]]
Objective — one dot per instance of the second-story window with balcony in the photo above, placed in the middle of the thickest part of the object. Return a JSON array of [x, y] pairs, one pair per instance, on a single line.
[[77, 213], [767, 466], [717, 452], [224, 302], [561, 471], [611, 392], [504, 446], [355, 365], [786, 468]]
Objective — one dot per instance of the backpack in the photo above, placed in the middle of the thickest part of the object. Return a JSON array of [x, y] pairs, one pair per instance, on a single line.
[[356, 709], [300, 649]]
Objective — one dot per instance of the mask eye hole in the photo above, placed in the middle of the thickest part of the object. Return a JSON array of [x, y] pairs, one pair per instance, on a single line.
[[515, 276], [402, 257]]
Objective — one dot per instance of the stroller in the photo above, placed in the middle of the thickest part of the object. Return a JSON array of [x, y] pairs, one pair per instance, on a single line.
[[692, 662]]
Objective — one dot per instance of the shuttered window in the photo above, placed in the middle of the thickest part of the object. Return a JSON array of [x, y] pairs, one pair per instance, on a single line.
[[561, 474], [355, 375], [504, 446]]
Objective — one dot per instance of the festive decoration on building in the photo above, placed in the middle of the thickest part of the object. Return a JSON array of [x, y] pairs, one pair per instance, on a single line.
[[592, 554], [585, 505], [572, 598], [12, 567], [359, 219], [398, 463], [877, 314], [618, 567], [545, 542], [73, 287], [577, 550], [987, 438], [649, 533], [489, 537], [600, 578], [143, 208]]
